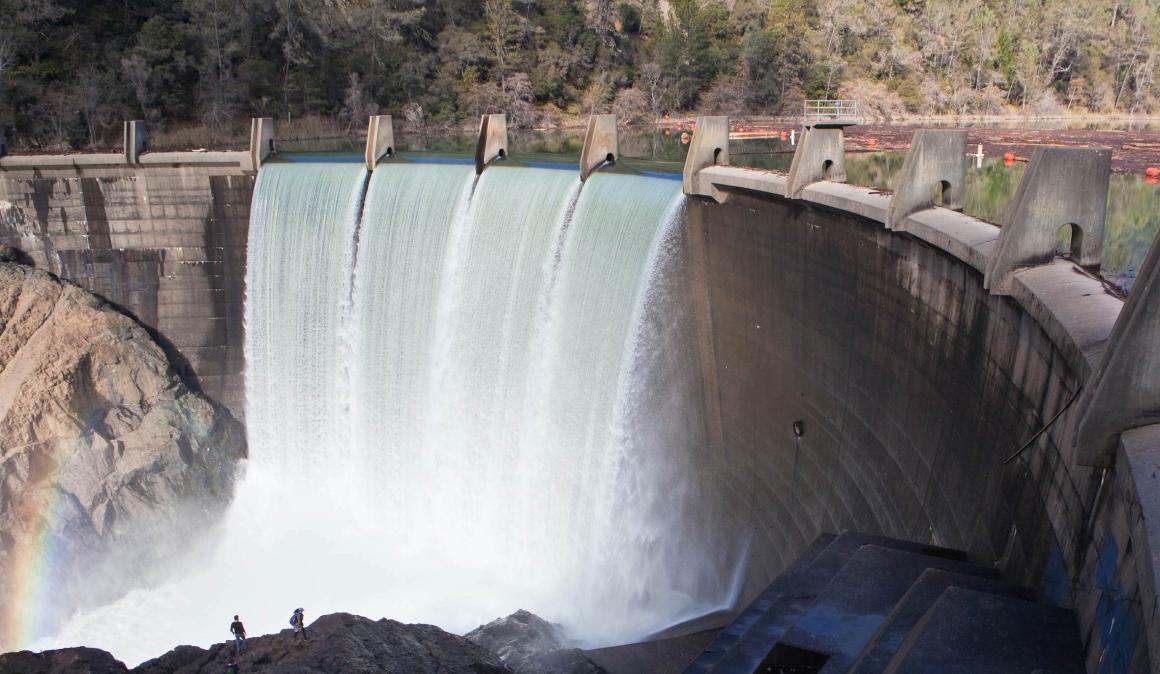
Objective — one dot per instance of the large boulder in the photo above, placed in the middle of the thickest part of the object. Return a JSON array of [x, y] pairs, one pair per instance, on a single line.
[[531, 645], [108, 460], [339, 642], [70, 660]]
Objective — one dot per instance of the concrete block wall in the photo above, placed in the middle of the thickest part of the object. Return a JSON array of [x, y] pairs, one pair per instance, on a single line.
[[165, 242]]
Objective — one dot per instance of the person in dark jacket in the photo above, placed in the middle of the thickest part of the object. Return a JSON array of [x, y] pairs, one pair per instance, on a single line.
[[239, 632]]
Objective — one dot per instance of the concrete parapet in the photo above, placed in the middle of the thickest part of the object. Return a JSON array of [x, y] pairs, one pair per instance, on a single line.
[[493, 141], [136, 140], [1124, 392], [934, 174], [1062, 186], [380, 140], [601, 144], [710, 147], [820, 155], [262, 143]]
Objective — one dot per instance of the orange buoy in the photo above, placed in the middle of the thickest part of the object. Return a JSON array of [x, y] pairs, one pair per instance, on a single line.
[[692, 125], [668, 132], [1008, 157], [783, 135], [685, 138], [872, 142], [667, 116], [1152, 172]]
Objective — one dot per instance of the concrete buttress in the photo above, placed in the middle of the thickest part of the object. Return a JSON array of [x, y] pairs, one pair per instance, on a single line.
[[380, 140], [1124, 392], [600, 144], [492, 143], [935, 166], [1062, 186], [820, 155], [710, 147]]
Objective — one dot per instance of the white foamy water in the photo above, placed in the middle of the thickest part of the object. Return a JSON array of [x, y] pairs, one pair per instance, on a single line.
[[447, 416]]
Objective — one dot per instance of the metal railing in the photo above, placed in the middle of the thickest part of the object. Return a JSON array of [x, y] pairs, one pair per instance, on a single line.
[[821, 111]]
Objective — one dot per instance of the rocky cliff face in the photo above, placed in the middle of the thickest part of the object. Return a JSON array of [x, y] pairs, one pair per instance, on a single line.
[[106, 457]]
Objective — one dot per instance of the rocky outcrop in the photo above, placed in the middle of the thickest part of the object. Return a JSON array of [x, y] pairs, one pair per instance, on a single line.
[[339, 642], [106, 456], [531, 645], [71, 660]]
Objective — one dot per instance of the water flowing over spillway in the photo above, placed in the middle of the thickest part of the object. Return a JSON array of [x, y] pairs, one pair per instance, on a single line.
[[454, 411]]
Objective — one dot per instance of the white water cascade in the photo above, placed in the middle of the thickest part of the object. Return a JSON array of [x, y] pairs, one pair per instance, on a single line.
[[451, 413]]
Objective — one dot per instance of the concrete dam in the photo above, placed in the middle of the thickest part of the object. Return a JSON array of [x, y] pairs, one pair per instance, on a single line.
[[624, 401]]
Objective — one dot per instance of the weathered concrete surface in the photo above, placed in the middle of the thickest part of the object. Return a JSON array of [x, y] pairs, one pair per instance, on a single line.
[[1125, 390], [165, 242], [380, 140], [913, 384], [935, 164], [493, 141], [820, 155], [1062, 186], [601, 144], [710, 147]]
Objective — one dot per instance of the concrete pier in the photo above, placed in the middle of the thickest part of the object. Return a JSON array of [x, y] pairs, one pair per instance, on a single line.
[[492, 143], [934, 174], [709, 147], [820, 155], [380, 140], [262, 141], [136, 140], [1062, 186], [601, 144]]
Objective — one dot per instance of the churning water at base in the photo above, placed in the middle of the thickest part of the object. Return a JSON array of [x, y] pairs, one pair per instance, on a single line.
[[450, 408]]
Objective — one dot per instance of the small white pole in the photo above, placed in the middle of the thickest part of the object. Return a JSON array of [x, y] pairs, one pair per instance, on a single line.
[[791, 136], [979, 157]]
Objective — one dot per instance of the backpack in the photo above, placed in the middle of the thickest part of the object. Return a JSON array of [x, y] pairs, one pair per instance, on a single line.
[[294, 619]]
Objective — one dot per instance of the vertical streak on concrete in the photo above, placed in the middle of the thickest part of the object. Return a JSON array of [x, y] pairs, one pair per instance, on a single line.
[[710, 147], [135, 141], [820, 155], [262, 143], [380, 140], [1062, 186], [492, 143], [601, 144], [936, 163], [1124, 392]]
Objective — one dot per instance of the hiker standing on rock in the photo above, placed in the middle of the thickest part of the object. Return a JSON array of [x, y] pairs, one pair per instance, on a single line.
[[298, 622], [239, 632]]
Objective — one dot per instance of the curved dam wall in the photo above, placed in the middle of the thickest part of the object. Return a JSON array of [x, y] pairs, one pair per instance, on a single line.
[[940, 370]]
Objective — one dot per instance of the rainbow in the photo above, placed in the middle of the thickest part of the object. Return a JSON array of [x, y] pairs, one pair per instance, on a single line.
[[24, 615]]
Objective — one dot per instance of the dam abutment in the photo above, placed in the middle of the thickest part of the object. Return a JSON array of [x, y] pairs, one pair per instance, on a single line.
[[933, 408]]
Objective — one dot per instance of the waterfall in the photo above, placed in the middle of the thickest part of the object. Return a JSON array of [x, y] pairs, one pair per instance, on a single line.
[[455, 409]]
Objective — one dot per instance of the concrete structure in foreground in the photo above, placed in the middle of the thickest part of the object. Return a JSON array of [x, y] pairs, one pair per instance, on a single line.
[[935, 409], [1016, 421]]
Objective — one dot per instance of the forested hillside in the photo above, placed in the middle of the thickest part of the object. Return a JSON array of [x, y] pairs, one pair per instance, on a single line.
[[71, 70]]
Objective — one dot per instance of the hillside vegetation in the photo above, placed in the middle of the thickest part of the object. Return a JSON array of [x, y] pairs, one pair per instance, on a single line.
[[71, 70]]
